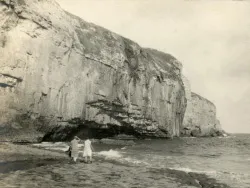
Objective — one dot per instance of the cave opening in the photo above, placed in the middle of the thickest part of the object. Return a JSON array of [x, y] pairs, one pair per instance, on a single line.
[[89, 130], [109, 131]]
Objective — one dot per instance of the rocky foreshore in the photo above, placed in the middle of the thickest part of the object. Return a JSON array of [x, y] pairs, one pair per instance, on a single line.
[[54, 169]]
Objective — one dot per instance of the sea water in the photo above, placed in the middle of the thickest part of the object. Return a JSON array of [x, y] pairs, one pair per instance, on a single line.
[[226, 159]]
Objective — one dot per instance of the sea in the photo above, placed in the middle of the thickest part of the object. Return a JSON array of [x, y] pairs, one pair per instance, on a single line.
[[225, 159]]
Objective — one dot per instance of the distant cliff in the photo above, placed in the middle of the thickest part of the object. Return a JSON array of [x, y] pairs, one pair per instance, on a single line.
[[62, 76], [200, 116]]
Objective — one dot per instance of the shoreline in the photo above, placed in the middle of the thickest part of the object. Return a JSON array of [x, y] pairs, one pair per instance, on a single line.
[[56, 170], [36, 137]]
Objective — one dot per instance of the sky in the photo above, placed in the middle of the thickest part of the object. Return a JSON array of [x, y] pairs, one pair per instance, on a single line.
[[210, 38]]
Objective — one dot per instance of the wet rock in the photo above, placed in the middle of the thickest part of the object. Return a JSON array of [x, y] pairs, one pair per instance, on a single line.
[[190, 178], [9, 166], [125, 137], [196, 133]]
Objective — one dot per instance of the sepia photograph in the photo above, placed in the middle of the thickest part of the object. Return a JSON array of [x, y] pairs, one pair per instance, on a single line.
[[124, 94]]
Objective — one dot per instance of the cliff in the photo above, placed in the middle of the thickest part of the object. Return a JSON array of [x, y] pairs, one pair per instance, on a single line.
[[200, 117], [61, 76]]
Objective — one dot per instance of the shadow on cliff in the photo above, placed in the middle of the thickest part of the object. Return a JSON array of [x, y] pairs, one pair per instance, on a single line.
[[88, 130]]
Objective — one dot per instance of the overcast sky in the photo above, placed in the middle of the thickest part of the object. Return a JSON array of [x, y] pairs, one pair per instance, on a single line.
[[210, 38]]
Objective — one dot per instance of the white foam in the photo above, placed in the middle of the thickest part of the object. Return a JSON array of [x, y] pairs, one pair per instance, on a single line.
[[186, 169], [225, 136], [113, 154], [61, 146], [44, 144], [134, 161], [183, 169], [110, 154]]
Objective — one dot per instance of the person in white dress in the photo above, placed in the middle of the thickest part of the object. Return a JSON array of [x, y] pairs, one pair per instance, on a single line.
[[74, 148], [87, 151]]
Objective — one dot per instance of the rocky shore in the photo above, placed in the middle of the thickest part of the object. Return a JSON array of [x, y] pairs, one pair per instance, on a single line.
[[16, 152], [54, 169]]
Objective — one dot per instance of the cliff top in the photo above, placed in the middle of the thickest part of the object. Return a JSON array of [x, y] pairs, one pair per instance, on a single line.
[[202, 98], [163, 61], [91, 40]]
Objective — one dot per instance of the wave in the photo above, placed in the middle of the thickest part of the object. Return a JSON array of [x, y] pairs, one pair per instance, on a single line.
[[134, 161], [110, 154], [226, 136], [61, 146], [118, 156], [186, 169]]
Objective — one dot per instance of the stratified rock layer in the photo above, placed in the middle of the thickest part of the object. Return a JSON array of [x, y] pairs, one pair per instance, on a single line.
[[61, 76]]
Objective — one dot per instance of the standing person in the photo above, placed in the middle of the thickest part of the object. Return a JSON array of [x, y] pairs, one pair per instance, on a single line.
[[74, 148], [87, 151]]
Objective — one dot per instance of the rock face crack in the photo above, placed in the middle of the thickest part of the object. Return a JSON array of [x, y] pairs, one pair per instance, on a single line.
[[17, 7], [93, 59], [7, 80], [13, 77]]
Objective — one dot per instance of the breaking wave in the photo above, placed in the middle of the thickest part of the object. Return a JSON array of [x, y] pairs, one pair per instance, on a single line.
[[110, 154], [185, 169]]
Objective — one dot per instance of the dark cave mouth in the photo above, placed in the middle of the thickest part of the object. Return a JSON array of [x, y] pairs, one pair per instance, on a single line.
[[90, 130]]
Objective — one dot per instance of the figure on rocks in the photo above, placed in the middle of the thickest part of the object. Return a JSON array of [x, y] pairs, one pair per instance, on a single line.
[[87, 151], [74, 148]]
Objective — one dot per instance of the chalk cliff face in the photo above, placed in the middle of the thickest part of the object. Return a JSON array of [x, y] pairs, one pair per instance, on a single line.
[[61, 76], [200, 116]]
